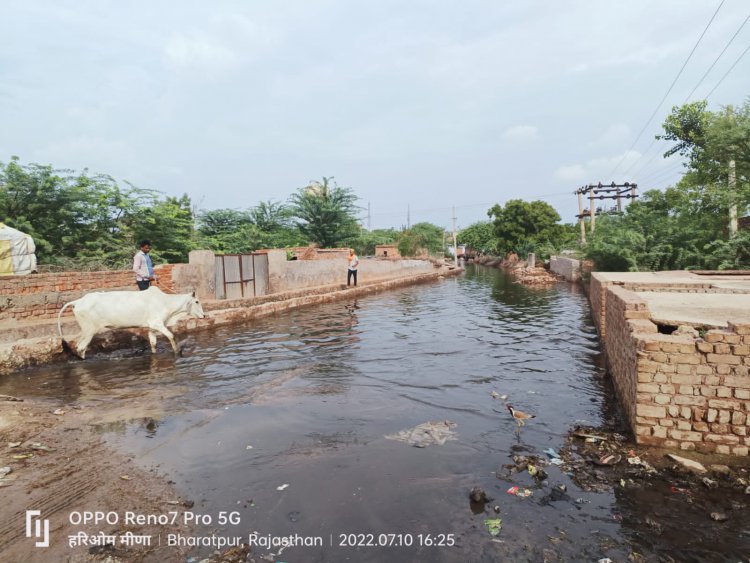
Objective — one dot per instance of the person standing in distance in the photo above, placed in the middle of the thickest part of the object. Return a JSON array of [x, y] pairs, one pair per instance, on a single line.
[[353, 264], [143, 267]]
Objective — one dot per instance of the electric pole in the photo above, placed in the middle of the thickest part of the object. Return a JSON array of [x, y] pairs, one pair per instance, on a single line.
[[600, 191], [732, 191], [408, 216], [369, 221], [580, 218], [455, 245]]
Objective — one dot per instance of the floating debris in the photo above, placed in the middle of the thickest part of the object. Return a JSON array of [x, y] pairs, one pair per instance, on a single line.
[[41, 447], [58, 412], [710, 483], [22, 456], [426, 434], [590, 438], [689, 464], [719, 516], [519, 492], [494, 525], [5, 471], [608, 460], [282, 487]]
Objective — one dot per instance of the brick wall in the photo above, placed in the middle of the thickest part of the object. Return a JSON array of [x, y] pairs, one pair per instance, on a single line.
[[679, 390], [624, 314], [598, 300], [40, 296], [694, 393]]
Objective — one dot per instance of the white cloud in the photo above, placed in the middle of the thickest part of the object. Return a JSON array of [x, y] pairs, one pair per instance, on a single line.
[[520, 133], [184, 51], [225, 42]]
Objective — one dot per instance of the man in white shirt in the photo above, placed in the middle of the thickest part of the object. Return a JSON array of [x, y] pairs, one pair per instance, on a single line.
[[143, 267], [353, 264]]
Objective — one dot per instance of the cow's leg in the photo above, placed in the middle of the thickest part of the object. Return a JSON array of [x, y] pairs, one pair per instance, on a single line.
[[165, 331], [83, 342], [152, 340]]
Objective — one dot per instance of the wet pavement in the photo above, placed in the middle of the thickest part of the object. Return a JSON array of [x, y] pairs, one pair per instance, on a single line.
[[306, 399]]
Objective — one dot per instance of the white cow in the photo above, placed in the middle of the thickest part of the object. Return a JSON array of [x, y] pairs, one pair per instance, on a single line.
[[152, 309]]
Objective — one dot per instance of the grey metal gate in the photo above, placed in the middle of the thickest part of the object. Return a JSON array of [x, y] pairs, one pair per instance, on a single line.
[[241, 275]]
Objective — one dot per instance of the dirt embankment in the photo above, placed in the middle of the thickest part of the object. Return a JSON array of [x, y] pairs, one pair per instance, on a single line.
[[60, 465]]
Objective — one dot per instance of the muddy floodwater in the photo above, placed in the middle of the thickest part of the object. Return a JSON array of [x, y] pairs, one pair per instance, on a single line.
[[285, 421]]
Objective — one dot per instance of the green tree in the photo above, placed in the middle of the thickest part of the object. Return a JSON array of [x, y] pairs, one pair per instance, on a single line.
[[274, 222], [365, 242], [479, 236], [83, 221], [228, 231], [615, 247], [686, 225], [421, 237], [521, 223], [169, 223], [325, 213]]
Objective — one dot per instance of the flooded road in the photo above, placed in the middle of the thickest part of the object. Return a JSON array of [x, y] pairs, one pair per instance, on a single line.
[[306, 399]]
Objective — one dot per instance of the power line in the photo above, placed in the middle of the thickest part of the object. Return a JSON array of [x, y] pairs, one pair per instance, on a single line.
[[661, 175], [716, 60], [465, 206], [731, 68], [645, 165], [656, 109], [697, 85], [657, 171]]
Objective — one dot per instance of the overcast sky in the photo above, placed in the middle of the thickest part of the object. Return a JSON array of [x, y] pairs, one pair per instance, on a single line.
[[426, 103]]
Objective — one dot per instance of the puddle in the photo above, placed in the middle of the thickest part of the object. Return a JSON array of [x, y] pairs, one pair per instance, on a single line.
[[307, 399]]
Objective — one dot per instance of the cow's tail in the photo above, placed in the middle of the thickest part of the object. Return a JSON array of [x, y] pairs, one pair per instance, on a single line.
[[65, 345]]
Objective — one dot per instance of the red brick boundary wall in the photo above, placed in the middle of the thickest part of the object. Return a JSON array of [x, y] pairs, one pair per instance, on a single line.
[[40, 296], [678, 390]]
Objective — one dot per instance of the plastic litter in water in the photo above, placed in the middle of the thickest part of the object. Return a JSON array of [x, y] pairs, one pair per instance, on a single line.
[[282, 487], [519, 492], [494, 525]]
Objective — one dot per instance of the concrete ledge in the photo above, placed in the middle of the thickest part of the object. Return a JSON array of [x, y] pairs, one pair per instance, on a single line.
[[38, 343]]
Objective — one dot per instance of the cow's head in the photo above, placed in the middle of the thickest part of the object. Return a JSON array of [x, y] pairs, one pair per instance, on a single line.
[[194, 307]]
